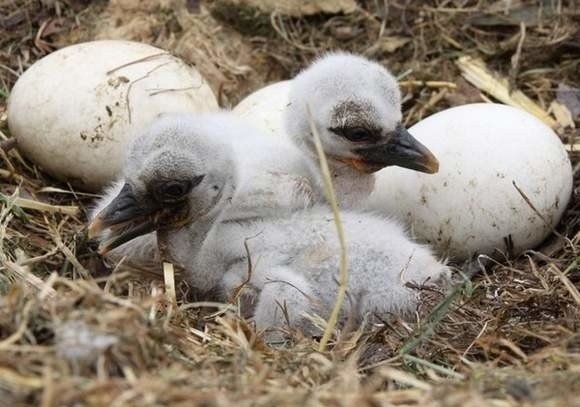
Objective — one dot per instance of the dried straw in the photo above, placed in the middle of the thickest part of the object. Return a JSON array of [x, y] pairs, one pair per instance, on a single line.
[[343, 267]]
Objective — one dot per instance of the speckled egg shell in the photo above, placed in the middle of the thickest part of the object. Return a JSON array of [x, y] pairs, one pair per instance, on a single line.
[[74, 111], [504, 181]]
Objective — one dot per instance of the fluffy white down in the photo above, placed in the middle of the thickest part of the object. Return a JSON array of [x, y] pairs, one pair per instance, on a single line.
[[282, 173], [276, 178], [296, 263], [331, 81], [294, 252]]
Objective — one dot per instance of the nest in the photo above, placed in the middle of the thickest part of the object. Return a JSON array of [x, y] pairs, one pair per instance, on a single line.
[[74, 331]]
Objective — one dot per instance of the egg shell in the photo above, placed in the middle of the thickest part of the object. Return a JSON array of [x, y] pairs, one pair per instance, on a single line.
[[265, 107], [74, 111], [472, 204]]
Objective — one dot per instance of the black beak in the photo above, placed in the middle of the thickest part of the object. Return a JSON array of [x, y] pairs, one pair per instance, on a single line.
[[126, 217], [401, 150]]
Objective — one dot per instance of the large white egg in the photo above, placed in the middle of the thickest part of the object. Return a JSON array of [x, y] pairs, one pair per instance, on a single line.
[[472, 204], [265, 108], [74, 111]]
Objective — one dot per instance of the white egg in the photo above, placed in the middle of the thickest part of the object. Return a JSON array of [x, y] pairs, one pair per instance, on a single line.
[[472, 205], [74, 111], [265, 107]]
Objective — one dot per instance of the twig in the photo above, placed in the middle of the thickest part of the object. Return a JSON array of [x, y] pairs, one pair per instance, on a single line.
[[478, 74], [437, 368], [536, 211], [516, 57], [238, 290], [29, 279], [33, 260], [160, 91], [567, 283], [10, 70], [47, 291], [207, 304], [138, 61], [130, 87], [428, 84], [8, 144], [310, 299], [42, 207], [278, 25], [331, 196], [530, 204], [404, 378], [11, 176], [69, 255], [54, 190], [481, 332], [4, 156], [169, 280], [433, 100]]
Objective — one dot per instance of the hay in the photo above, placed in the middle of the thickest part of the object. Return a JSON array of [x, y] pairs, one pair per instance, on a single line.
[[510, 336], [479, 75], [330, 194]]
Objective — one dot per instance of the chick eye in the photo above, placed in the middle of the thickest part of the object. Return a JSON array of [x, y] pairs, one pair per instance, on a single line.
[[174, 190], [355, 134], [171, 191]]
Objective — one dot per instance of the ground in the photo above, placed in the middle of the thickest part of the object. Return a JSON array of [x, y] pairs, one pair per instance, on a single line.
[[510, 336]]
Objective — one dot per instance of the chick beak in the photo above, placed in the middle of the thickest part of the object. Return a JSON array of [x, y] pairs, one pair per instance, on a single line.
[[401, 150], [126, 217]]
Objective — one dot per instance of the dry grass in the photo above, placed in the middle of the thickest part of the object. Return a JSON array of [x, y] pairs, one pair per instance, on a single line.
[[75, 332]]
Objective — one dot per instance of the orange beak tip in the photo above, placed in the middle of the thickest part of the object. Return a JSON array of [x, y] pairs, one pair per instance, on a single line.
[[103, 248], [433, 165], [95, 227]]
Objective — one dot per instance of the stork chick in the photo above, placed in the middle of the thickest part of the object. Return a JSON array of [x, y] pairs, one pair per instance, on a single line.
[[181, 178], [356, 107], [276, 177]]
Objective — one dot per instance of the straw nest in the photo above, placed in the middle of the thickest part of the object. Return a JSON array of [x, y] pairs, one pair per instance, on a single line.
[[74, 331]]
